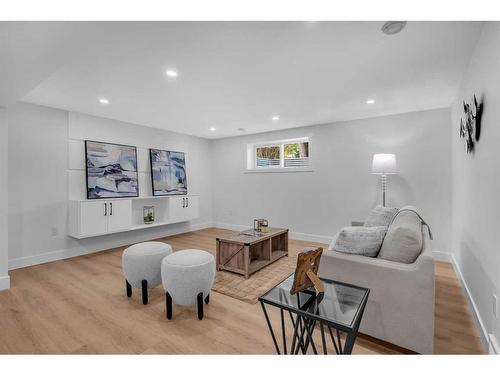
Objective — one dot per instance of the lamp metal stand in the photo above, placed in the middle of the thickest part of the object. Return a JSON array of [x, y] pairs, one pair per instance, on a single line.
[[384, 187]]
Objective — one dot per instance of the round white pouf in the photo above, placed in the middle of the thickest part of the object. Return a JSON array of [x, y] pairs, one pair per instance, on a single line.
[[187, 273], [142, 261]]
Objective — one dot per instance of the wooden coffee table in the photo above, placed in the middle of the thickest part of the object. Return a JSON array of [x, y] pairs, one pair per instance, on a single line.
[[249, 251]]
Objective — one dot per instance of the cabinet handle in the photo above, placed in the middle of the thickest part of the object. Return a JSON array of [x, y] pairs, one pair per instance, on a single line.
[[111, 209], [105, 209], [183, 202], [187, 202]]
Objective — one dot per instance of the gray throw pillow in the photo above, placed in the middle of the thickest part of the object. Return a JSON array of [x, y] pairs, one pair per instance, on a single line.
[[359, 240], [380, 216], [403, 241]]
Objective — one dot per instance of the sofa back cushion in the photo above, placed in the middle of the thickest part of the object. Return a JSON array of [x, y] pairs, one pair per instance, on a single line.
[[380, 216], [403, 241], [359, 240]]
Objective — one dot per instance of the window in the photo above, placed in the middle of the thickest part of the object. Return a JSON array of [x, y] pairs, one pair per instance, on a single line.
[[296, 154], [268, 156], [288, 154]]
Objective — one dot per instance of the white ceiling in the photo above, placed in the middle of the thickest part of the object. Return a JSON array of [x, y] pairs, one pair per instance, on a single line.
[[239, 74], [31, 51]]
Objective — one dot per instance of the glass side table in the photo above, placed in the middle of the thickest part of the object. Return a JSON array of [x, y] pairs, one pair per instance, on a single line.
[[339, 309]]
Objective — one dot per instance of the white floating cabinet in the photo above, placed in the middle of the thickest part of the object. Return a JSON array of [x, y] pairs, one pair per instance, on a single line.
[[90, 218], [183, 208], [119, 215]]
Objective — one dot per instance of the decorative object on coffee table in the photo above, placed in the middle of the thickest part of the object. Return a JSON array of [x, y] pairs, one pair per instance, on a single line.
[[339, 309], [384, 164], [248, 251], [307, 269], [261, 225], [148, 214]]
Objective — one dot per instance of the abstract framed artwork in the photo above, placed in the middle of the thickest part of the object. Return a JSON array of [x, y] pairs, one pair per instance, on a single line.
[[111, 170], [168, 172]]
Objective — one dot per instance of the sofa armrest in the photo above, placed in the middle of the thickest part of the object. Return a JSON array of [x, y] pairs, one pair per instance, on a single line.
[[339, 260]]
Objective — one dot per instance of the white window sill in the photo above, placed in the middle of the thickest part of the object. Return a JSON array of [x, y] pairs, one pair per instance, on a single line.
[[279, 170]]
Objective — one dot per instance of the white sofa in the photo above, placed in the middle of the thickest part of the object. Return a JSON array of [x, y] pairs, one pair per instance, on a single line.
[[400, 308]]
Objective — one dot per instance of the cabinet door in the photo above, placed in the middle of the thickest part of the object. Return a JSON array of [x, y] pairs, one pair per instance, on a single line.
[[119, 215], [177, 209], [191, 208], [93, 218]]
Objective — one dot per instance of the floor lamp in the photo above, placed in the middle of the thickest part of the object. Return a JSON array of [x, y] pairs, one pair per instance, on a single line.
[[384, 164]]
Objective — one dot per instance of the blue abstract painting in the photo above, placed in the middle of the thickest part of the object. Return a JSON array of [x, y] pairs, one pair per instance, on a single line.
[[111, 170], [168, 172]]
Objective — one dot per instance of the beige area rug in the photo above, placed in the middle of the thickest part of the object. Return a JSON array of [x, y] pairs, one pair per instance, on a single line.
[[249, 290]]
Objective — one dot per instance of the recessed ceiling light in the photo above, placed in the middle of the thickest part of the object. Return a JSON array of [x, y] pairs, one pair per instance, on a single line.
[[275, 118], [103, 101], [370, 101], [212, 129], [393, 27], [171, 73]]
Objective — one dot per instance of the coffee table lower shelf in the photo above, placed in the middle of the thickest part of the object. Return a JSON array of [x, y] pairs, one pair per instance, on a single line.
[[256, 265]]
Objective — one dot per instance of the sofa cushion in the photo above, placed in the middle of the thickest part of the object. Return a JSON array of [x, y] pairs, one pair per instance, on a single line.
[[403, 241], [359, 240], [380, 216]]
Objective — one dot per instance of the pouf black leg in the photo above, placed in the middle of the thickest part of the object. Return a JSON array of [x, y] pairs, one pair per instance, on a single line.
[[207, 299], [145, 292], [129, 289], [168, 301], [200, 305]]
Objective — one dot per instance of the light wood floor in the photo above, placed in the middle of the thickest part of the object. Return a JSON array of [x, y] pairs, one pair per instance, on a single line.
[[79, 305]]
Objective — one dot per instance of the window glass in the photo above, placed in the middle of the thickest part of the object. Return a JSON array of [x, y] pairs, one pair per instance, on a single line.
[[268, 156]]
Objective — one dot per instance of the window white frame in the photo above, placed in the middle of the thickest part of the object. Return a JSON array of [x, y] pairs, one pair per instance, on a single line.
[[252, 156]]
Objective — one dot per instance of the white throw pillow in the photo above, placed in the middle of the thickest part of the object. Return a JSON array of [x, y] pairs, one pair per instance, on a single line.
[[380, 216], [359, 240], [403, 241]]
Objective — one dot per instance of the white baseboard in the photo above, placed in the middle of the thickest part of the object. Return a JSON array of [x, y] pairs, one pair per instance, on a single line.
[[292, 235], [4, 282], [231, 226], [52, 256], [442, 256], [494, 346], [310, 237], [483, 333]]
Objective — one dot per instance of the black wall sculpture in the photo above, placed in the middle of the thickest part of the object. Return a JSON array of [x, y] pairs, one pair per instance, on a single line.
[[470, 123]]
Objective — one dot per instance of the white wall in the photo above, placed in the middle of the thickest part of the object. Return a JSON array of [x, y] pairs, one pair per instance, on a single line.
[[476, 183], [46, 169], [4, 277], [341, 187], [46, 159]]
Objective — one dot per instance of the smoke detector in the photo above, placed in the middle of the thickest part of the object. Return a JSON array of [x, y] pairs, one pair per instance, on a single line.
[[393, 27]]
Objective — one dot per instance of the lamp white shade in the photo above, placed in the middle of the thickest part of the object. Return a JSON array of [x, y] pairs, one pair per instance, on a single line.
[[384, 164]]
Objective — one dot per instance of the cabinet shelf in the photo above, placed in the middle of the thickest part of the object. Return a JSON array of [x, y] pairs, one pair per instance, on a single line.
[[152, 225], [91, 218], [137, 198]]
